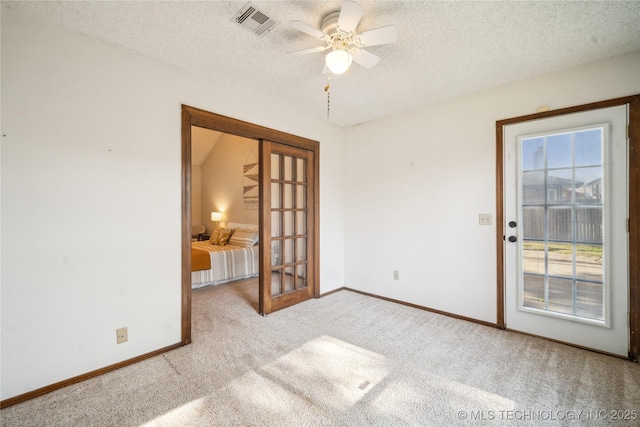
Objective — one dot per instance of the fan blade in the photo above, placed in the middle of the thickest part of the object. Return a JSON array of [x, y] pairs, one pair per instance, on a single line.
[[308, 29], [384, 35], [350, 15], [365, 58], [310, 50]]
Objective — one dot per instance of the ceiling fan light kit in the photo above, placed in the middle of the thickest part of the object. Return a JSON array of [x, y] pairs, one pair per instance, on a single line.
[[338, 61], [339, 33]]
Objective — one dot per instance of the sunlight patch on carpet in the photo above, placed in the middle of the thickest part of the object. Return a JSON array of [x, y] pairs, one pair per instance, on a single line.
[[325, 371], [331, 371], [317, 378]]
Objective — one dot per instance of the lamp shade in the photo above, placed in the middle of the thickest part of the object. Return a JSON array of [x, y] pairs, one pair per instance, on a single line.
[[338, 61], [216, 216]]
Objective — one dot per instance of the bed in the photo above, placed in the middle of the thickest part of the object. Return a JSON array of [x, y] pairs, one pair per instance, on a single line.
[[214, 264]]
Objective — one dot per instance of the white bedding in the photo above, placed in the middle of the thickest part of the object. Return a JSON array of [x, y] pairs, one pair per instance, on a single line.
[[227, 263]]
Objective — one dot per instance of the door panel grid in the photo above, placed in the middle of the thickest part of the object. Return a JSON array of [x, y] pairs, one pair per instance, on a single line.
[[289, 215], [562, 203]]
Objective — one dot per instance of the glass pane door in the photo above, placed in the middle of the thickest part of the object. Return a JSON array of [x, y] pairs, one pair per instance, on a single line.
[[565, 228], [289, 180]]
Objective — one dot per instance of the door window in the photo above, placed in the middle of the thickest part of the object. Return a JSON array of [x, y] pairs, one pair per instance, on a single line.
[[289, 224], [562, 254]]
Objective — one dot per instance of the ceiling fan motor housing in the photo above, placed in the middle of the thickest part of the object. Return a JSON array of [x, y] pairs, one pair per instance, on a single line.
[[330, 23], [337, 39]]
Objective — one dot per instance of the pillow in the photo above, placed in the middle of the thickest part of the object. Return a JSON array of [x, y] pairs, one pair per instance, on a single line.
[[244, 237], [215, 236], [220, 236]]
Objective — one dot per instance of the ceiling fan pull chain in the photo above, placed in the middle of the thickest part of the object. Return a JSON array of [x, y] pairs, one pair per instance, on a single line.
[[327, 89]]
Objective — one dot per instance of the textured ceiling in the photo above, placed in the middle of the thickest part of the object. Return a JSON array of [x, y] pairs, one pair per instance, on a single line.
[[444, 50]]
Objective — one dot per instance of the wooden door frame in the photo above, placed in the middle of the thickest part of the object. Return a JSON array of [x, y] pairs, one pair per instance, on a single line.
[[633, 103], [196, 117]]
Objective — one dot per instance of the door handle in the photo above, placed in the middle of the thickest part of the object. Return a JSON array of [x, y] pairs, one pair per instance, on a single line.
[[513, 239]]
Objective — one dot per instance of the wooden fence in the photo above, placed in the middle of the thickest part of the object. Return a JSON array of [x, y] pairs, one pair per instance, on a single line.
[[588, 223]]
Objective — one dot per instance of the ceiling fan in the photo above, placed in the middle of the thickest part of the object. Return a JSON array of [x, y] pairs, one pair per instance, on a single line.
[[346, 44]]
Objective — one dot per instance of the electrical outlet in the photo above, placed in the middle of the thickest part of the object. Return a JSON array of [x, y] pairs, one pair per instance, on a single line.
[[396, 275], [485, 219], [122, 335]]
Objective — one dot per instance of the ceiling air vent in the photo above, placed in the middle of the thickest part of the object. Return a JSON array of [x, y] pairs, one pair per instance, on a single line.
[[253, 20]]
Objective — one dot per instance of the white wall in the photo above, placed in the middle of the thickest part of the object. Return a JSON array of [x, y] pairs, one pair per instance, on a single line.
[[416, 182], [91, 214], [223, 181]]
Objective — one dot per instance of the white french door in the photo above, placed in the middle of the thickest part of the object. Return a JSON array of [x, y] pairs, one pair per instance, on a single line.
[[565, 228]]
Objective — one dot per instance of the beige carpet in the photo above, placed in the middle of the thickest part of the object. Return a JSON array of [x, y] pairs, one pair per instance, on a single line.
[[346, 359]]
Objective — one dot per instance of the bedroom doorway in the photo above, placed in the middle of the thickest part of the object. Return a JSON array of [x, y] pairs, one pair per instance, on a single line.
[[304, 262]]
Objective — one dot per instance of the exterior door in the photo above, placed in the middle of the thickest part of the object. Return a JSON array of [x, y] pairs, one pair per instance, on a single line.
[[287, 270], [565, 228]]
